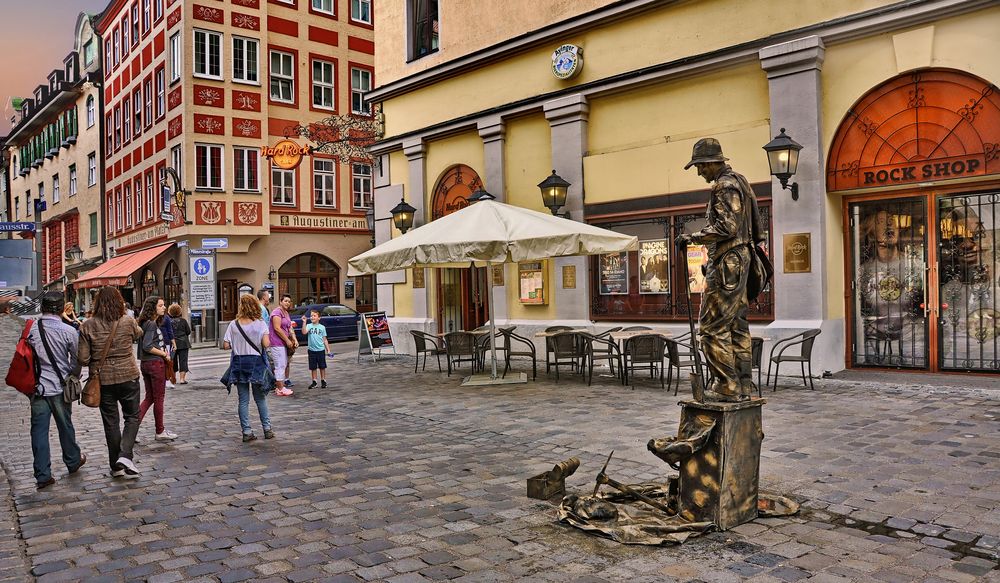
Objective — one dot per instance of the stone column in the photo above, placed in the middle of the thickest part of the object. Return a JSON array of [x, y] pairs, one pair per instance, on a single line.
[[416, 151], [802, 300], [493, 133], [567, 117]]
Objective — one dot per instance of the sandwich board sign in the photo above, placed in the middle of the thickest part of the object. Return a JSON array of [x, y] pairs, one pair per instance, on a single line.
[[374, 335]]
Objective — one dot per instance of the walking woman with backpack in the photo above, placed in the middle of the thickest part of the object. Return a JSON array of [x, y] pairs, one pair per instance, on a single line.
[[106, 348], [248, 338], [153, 358]]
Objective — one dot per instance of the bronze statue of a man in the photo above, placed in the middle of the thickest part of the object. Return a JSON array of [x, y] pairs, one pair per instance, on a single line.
[[733, 228]]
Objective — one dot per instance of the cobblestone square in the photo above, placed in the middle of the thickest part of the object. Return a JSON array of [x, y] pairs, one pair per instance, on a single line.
[[394, 476]]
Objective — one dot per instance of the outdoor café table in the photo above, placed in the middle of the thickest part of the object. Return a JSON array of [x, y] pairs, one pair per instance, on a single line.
[[544, 334]]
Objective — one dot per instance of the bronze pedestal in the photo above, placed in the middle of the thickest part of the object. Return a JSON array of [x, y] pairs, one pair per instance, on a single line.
[[718, 483]]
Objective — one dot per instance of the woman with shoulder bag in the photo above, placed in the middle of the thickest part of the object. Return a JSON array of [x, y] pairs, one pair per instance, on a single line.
[[283, 343], [154, 358], [106, 348], [248, 338], [182, 340], [69, 316]]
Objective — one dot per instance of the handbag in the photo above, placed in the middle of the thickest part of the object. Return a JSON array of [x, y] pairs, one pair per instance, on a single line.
[[761, 272], [70, 384], [168, 370], [91, 396]]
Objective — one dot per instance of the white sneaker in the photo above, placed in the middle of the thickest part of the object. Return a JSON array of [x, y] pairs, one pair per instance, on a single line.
[[117, 473], [166, 436], [170, 385], [129, 468]]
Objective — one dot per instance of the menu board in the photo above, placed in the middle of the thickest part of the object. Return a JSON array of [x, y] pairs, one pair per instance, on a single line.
[[531, 282], [377, 326], [614, 274], [654, 267], [697, 259]]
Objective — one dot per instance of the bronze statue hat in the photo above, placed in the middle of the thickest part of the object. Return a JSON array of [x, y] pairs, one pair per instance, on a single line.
[[706, 150]]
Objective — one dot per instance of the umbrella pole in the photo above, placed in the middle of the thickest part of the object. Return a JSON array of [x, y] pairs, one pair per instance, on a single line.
[[493, 330]]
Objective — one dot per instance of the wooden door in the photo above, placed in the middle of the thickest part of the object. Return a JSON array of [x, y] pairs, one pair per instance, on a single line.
[[227, 299]]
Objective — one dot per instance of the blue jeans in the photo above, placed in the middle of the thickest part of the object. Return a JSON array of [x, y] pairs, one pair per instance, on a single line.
[[43, 409], [259, 397]]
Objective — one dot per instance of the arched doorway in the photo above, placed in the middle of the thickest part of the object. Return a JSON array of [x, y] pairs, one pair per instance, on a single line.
[[310, 278], [172, 284], [922, 238], [146, 287], [463, 302]]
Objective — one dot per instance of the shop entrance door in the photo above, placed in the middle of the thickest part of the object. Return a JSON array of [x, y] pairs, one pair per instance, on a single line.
[[228, 299], [967, 262], [924, 282], [463, 297], [889, 320]]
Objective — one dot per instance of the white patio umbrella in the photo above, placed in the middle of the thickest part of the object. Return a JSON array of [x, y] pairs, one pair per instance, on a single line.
[[489, 232]]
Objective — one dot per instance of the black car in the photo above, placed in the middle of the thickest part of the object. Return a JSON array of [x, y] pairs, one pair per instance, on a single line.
[[341, 322]]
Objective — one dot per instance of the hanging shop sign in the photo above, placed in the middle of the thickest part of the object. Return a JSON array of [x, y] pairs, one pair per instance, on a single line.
[[567, 61], [286, 154], [614, 274]]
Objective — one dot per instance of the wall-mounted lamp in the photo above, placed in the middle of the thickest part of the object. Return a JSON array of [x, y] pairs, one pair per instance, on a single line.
[[271, 274], [554, 190], [479, 195], [74, 254], [783, 158]]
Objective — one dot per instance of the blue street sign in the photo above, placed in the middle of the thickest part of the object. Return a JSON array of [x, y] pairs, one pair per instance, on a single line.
[[202, 266], [217, 243], [15, 227]]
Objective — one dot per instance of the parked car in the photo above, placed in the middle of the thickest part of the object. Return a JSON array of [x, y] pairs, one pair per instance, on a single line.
[[341, 322]]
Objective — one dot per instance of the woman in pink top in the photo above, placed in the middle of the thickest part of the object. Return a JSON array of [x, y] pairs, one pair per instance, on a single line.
[[282, 342]]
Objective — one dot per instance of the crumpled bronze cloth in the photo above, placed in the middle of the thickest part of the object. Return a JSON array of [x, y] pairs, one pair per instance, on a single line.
[[625, 519]]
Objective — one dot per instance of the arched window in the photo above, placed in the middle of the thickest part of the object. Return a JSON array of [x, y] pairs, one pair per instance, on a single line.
[[147, 286], [90, 111], [172, 285], [310, 278]]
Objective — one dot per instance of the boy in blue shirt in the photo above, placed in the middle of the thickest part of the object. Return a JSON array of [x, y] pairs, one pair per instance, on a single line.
[[318, 348]]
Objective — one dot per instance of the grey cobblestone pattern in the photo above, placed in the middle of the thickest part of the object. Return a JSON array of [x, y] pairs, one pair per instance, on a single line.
[[392, 476]]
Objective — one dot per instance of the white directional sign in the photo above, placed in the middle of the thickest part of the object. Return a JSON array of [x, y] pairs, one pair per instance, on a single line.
[[216, 243], [202, 277]]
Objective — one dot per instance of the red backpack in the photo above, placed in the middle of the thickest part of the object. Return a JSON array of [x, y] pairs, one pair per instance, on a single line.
[[23, 373]]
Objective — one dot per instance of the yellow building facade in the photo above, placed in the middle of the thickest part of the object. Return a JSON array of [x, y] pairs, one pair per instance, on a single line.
[[888, 249]]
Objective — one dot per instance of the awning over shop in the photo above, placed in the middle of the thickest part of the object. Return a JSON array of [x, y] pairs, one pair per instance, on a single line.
[[116, 271]]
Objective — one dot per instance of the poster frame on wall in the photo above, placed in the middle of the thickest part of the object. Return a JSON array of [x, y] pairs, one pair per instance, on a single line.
[[603, 279], [663, 248]]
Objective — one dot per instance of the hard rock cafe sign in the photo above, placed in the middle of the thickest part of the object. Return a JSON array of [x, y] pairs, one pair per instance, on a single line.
[[286, 154], [452, 190]]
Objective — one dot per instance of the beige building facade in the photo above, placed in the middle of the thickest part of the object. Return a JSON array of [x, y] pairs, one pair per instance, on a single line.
[[54, 156], [888, 248]]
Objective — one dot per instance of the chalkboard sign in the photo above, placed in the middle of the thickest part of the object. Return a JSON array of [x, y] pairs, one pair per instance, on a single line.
[[374, 334]]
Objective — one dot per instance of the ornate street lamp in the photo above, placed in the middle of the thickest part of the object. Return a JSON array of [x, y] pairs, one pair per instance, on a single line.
[[783, 158], [480, 195], [272, 274], [402, 216], [74, 254], [554, 192]]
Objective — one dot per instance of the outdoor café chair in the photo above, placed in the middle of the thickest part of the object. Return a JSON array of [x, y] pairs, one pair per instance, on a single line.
[[458, 346], [510, 351], [548, 344], [566, 350], [483, 344], [601, 347], [643, 351], [679, 356], [427, 345], [805, 341]]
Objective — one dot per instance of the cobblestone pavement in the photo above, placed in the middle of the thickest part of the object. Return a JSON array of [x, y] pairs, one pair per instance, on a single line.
[[395, 476]]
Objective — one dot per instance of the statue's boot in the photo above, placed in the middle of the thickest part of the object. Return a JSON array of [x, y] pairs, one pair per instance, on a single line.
[[746, 385], [724, 392]]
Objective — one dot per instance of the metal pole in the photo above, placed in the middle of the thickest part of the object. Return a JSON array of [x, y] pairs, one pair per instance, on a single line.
[[39, 250], [493, 330]]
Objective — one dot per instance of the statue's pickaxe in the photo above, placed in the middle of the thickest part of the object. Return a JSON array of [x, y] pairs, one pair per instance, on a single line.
[[602, 479]]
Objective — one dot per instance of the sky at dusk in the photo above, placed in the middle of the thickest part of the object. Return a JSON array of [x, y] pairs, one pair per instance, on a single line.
[[35, 37]]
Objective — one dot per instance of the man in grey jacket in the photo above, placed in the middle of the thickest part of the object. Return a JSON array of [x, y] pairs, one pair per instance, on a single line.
[[55, 345]]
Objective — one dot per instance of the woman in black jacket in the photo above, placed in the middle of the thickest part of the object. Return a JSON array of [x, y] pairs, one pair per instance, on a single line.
[[182, 338]]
